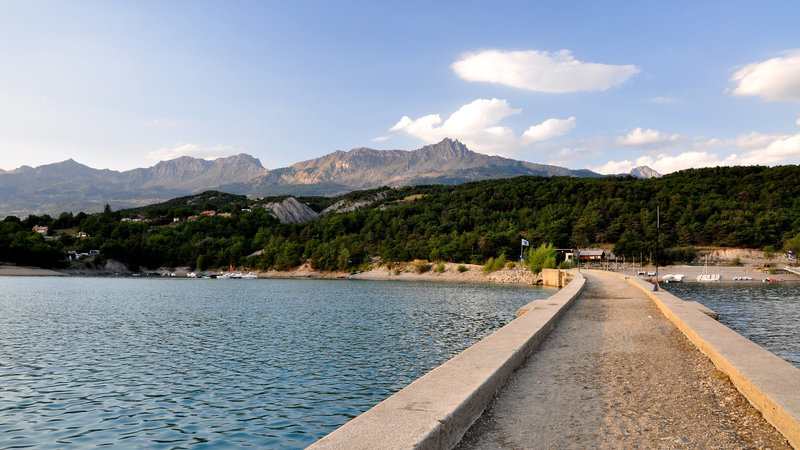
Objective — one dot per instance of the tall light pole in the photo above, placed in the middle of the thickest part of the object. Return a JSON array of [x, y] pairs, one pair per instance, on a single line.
[[658, 229]]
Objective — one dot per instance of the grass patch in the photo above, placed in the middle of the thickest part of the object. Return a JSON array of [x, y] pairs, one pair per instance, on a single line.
[[422, 266], [494, 264]]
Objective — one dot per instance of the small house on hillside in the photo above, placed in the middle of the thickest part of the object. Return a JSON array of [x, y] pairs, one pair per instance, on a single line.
[[41, 230], [592, 255]]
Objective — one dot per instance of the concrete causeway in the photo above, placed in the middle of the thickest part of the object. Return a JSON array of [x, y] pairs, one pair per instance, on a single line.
[[616, 372], [605, 362]]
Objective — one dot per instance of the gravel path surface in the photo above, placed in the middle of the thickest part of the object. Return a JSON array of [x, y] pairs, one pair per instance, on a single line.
[[615, 373]]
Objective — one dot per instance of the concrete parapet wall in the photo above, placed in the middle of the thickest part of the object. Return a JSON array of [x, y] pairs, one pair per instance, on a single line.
[[553, 277], [436, 410], [769, 383]]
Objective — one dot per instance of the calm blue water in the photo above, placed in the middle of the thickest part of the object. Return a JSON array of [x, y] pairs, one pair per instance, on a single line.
[[166, 363], [766, 313]]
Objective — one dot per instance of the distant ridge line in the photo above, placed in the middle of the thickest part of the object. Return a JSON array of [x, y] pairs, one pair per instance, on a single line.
[[72, 186]]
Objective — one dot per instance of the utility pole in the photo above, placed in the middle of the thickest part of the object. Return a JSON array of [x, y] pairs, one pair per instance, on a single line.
[[658, 229]]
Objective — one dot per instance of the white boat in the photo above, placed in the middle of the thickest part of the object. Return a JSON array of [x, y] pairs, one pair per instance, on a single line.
[[249, 276], [670, 278], [741, 278], [705, 277]]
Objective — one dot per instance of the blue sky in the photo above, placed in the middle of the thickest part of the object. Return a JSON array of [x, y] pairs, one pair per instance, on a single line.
[[595, 84]]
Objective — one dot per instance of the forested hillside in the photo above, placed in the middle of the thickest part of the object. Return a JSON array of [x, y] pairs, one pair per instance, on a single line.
[[755, 207]]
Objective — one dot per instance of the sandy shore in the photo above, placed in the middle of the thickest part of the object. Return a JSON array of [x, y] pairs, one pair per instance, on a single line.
[[402, 271], [728, 273], [471, 273], [23, 271]]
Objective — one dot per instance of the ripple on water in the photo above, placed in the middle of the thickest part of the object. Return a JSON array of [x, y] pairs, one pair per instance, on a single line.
[[766, 313], [197, 363]]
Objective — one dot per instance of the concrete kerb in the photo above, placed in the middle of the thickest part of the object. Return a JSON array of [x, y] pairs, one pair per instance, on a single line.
[[769, 383], [437, 409]]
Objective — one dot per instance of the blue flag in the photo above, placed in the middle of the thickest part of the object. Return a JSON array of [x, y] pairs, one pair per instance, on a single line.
[[525, 243], [791, 255]]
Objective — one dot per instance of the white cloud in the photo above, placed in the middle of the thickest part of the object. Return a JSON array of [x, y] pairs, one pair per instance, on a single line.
[[476, 124], [194, 150], [757, 148], [754, 140], [646, 138], [380, 138], [797, 121], [540, 71], [550, 128], [615, 167], [773, 79], [781, 150], [667, 163]]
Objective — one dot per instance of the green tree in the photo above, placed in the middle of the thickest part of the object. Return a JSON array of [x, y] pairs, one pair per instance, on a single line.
[[543, 257]]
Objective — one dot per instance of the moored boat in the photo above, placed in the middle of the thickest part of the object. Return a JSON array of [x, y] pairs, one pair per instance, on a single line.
[[676, 278], [706, 277]]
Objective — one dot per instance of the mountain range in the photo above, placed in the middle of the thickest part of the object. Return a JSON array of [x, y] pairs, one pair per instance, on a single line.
[[71, 186]]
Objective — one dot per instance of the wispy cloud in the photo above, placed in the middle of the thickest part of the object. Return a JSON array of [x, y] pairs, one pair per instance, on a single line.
[[773, 79], [477, 124], [380, 138], [647, 139], [195, 150], [541, 71], [548, 129]]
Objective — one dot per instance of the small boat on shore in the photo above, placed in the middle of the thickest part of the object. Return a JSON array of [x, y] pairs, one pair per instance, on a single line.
[[706, 277], [676, 278], [742, 278]]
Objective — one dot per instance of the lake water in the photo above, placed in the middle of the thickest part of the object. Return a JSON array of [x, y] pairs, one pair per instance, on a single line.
[[766, 313], [176, 363]]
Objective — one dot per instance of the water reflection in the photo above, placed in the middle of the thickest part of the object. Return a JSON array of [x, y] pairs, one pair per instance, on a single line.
[[766, 313]]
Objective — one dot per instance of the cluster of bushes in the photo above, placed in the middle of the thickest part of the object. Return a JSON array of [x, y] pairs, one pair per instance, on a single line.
[[494, 264]]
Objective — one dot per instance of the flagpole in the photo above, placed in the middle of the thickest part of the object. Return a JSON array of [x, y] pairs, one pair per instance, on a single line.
[[523, 243]]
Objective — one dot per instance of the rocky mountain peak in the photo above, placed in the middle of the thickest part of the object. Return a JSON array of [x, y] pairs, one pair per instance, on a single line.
[[644, 172], [70, 186]]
